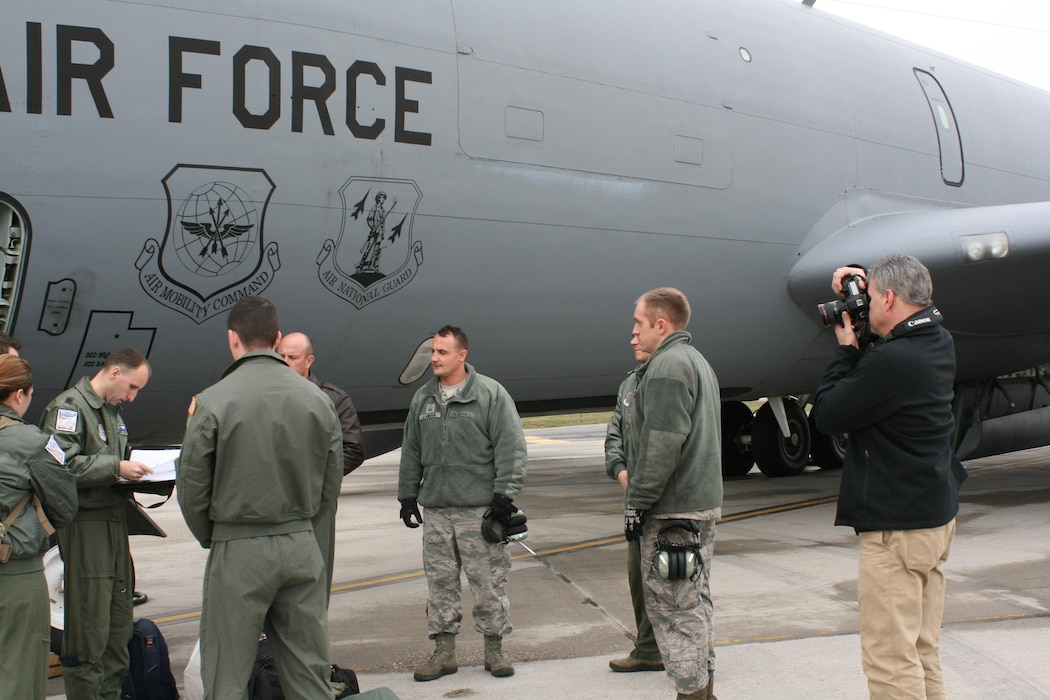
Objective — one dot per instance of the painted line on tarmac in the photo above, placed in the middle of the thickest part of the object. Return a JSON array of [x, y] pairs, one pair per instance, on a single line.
[[176, 618], [1010, 617]]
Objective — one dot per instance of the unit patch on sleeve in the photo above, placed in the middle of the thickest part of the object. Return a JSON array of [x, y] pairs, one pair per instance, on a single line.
[[55, 451], [66, 421]]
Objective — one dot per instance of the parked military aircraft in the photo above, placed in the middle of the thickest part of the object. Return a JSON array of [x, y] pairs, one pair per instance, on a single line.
[[524, 170]]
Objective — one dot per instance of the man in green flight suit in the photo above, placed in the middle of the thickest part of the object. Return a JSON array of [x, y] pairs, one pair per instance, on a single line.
[[261, 466], [645, 656], [99, 574]]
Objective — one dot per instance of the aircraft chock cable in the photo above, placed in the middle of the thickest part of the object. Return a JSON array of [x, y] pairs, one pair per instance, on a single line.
[[583, 594]]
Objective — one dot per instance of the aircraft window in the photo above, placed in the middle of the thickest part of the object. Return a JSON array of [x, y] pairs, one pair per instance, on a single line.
[[745, 54], [14, 247], [949, 142]]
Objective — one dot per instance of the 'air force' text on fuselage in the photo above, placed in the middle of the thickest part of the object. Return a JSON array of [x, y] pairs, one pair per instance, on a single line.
[[249, 63]]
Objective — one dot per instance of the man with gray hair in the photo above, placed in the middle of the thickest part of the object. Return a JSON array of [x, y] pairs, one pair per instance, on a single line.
[[900, 481]]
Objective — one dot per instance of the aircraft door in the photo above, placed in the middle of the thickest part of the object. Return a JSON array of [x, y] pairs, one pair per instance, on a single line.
[[14, 247], [949, 142]]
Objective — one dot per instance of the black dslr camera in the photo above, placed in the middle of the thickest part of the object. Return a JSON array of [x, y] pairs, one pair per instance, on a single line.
[[856, 303]]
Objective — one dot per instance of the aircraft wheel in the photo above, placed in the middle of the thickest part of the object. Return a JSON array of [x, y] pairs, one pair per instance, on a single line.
[[775, 454], [737, 456], [828, 451]]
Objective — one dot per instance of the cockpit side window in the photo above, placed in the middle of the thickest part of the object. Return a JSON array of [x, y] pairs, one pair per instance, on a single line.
[[949, 142]]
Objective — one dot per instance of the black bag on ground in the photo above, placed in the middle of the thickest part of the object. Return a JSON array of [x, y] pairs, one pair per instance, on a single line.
[[264, 684], [149, 675]]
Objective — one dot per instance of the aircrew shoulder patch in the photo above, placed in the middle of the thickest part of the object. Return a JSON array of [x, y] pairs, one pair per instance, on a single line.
[[55, 451], [66, 421]]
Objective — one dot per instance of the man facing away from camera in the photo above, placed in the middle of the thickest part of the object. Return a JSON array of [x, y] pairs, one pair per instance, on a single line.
[[260, 470], [900, 481]]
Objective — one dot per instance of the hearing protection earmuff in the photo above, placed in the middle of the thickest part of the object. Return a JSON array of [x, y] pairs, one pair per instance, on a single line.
[[675, 561]]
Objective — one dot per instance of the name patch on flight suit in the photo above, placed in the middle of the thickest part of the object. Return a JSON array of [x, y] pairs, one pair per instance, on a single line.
[[461, 414], [429, 411], [66, 421], [55, 451], [102, 433]]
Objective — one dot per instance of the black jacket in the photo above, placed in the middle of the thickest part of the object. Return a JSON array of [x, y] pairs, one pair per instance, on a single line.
[[894, 401]]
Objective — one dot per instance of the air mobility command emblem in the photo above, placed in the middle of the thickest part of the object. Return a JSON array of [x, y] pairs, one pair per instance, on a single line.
[[375, 254], [213, 253]]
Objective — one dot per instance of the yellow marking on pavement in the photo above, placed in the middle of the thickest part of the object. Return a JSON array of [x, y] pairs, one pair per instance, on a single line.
[[579, 546], [545, 441]]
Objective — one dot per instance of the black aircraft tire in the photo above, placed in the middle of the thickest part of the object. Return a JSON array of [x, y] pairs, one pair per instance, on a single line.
[[776, 455], [737, 456], [828, 451]]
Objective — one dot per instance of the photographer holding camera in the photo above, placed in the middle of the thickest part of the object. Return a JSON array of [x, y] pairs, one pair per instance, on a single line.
[[900, 482]]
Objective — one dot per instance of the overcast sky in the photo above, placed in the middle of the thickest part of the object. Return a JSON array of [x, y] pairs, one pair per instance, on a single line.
[[1011, 37]]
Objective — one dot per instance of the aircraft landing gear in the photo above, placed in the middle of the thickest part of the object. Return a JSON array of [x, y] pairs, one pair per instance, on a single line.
[[737, 456], [775, 454]]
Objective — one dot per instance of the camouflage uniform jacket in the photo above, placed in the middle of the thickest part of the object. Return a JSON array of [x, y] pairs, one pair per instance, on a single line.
[[31, 461], [675, 446], [460, 454], [94, 437], [262, 454]]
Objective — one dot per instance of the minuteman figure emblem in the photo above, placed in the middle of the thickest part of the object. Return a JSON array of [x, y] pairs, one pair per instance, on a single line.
[[375, 242], [213, 253]]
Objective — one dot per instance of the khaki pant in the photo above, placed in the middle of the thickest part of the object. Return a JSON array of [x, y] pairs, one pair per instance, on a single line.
[[901, 596]]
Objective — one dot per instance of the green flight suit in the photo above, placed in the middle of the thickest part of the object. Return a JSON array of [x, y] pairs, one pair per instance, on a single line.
[[99, 574], [617, 432], [260, 468], [30, 462]]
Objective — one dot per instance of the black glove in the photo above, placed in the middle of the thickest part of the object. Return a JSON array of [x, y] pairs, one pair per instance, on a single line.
[[633, 520], [409, 510], [501, 532], [502, 508]]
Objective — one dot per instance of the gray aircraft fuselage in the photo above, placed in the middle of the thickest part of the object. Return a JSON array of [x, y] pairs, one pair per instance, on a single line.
[[523, 170]]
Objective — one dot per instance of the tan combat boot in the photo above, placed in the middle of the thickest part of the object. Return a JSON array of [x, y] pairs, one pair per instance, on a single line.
[[705, 693], [494, 661], [442, 662]]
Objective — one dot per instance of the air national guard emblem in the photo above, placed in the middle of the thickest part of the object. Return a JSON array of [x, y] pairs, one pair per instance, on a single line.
[[375, 255], [213, 252]]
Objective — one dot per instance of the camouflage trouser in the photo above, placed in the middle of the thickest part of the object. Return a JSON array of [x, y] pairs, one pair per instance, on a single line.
[[452, 541], [681, 611]]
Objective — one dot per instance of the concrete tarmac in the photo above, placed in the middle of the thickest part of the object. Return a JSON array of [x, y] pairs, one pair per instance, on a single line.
[[783, 582]]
